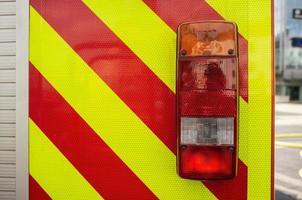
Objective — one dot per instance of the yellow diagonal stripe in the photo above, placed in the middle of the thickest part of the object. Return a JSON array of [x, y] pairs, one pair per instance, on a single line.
[[234, 10], [110, 118], [260, 99], [53, 171], [153, 41]]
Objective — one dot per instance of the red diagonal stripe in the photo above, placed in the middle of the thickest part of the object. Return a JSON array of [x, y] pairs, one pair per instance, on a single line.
[[35, 190], [177, 12], [115, 63], [81, 145]]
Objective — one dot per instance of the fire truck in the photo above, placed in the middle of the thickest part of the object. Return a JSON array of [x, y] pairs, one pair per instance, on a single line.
[[153, 99]]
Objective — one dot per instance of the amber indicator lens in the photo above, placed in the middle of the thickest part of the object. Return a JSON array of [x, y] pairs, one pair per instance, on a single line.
[[204, 39]]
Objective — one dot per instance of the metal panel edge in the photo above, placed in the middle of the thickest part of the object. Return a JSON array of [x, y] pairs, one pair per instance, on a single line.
[[22, 37]]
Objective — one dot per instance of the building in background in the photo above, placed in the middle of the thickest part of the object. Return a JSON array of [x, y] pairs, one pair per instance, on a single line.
[[288, 49]]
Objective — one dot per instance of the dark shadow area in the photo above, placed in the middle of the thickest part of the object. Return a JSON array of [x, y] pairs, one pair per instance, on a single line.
[[283, 196]]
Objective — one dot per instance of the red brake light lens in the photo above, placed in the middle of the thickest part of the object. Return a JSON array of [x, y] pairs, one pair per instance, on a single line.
[[207, 162]]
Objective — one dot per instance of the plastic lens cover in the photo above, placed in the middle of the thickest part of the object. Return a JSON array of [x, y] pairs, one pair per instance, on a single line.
[[207, 131]]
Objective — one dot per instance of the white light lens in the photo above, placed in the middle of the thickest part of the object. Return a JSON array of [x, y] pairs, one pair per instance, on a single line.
[[207, 131]]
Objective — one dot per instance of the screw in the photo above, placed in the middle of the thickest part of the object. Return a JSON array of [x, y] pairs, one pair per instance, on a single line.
[[183, 52], [231, 51], [183, 147]]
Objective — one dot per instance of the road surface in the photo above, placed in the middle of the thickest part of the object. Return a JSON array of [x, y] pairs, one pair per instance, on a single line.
[[288, 161]]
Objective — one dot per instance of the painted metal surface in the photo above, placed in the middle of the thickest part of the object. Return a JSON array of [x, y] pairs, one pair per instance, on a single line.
[[102, 99], [7, 100]]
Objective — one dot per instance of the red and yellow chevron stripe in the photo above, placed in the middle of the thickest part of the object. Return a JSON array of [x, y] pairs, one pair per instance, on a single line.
[[102, 110]]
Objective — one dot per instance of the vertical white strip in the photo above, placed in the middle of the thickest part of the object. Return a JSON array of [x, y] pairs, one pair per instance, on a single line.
[[22, 30]]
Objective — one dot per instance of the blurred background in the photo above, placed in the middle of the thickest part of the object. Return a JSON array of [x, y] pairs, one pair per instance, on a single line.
[[288, 69]]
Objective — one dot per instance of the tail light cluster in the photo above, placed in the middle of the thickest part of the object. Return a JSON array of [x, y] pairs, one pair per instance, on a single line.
[[207, 100]]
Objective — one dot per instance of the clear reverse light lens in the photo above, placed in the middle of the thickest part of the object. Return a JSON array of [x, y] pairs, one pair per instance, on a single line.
[[207, 131]]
